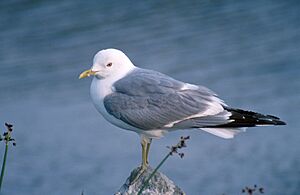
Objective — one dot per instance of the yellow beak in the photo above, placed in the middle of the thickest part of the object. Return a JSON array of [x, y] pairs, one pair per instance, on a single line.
[[87, 73]]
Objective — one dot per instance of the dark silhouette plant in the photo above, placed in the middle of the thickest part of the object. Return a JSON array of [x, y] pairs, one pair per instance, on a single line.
[[6, 138]]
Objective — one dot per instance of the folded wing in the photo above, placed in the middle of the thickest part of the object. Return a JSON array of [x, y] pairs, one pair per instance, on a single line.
[[149, 100]]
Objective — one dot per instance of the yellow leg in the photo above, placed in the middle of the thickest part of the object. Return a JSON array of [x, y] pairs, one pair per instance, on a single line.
[[147, 150], [145, 142], [144, 156]]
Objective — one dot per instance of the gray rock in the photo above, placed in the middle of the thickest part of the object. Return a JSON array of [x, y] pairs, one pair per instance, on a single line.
[[159, 184]]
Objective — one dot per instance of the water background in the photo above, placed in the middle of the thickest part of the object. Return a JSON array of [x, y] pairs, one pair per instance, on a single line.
[[247, 52]]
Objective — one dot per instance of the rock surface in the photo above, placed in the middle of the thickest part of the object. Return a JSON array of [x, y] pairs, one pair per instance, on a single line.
[[159, 184]]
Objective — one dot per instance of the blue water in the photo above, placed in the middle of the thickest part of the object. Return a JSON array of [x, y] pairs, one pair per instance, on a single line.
[[246, 52]]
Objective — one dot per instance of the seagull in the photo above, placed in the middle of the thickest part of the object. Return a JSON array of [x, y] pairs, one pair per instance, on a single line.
[[152, 104]]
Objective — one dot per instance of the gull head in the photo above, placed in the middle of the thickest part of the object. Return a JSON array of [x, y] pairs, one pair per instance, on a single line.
[[109, 63]]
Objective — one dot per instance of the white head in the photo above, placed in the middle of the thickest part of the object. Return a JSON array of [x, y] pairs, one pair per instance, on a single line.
[[109, 63]]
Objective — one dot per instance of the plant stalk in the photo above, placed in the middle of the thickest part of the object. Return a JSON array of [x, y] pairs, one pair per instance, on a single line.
[[3, 165]]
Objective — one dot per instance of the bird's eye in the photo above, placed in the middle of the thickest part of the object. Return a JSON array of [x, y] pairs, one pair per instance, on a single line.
[[109, 64]]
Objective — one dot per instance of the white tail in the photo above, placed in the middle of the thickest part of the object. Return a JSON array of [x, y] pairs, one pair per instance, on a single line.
[[226, 133]]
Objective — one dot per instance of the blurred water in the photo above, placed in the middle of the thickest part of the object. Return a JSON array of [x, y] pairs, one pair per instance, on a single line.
[[247, 52]]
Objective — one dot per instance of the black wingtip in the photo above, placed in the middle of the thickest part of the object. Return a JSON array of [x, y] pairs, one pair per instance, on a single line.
[[275, 120], [278, 122], [244, 118]]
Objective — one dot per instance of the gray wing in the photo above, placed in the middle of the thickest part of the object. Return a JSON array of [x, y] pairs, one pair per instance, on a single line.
[[150, 100]]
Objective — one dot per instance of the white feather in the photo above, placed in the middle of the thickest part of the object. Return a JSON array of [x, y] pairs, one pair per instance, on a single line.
[[215, 107], [226, 133]]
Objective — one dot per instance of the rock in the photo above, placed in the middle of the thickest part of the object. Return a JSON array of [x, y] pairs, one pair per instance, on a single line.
[[159, 184]]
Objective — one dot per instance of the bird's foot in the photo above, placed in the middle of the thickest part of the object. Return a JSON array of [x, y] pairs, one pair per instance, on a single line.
[[137, 173]]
